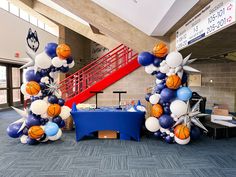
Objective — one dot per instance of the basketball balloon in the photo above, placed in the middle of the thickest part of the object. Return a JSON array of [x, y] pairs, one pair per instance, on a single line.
[[173, 82], [63, 51], [54, 110], [157, 110], [32, 88], [35, 132], [182, 132], [160, 49]]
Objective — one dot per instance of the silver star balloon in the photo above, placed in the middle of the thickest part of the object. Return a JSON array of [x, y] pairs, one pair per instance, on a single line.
[[53, 87], [192, 117], [184, 66], [24, 113], [31, 63]]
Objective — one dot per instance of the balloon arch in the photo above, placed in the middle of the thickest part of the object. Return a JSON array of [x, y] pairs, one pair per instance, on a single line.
[[172, 118]]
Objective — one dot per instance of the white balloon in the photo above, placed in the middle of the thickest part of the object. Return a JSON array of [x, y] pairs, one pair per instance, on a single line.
[[39, 107], [154, 99], [158, 81], [178, 108], [152, 124], [149, 69], [23, 139], [182, 142], [164, 69], [174, 59], [56, 137], [43, 61], [72, 64], [141, 108], [65, 112], [23, 89], [45, 79], [57, 62], [65, 65]]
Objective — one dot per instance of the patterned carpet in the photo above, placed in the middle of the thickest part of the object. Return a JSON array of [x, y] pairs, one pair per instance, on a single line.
[[114, 158]]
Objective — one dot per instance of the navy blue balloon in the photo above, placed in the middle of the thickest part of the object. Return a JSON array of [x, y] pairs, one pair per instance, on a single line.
[[43, 137], [25, 131], [57, 120], [166, 121], [32, 120], [64, 69], [42, 85], [53, 69], [195, 133], [160, 75], [145, 58], [161, 86], [50, 49], [167, 95], [44, 72], [31, 141], [69, 60], [61, 102], [52, 99], [30, 75], [33, 98], [12, 130], [147, 96], [62, 124], [184, 78], [163, 134], [169, 139], [157, 62], [167, 110], [157, 134]]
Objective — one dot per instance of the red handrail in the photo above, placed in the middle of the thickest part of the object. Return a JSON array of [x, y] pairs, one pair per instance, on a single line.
[[96, 71]]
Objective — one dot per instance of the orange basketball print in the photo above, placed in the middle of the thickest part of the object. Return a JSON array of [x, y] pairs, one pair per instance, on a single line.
[[32, 88], [182, 132], [157, 110], [54, 110], [173, 82], [35, 132], [63, 51], [160, 49]]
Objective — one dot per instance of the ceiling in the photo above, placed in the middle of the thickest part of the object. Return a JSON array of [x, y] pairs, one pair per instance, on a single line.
[[153, 17]]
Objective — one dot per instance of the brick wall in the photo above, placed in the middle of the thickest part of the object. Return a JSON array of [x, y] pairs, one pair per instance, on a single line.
[[223, 86]]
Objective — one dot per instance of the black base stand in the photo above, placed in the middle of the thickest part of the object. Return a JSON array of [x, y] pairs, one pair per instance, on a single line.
[[119, 92], [96, 92]]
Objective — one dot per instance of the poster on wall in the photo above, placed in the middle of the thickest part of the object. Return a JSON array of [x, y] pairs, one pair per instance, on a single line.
[[214, 17], [32, 40]]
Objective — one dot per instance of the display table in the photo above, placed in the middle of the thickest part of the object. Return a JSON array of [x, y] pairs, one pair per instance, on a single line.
[[128, 124]]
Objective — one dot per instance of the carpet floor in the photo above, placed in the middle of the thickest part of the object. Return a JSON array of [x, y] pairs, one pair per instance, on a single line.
[[114, 158]]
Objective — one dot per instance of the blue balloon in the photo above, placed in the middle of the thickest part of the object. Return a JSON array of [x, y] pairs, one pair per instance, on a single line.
[[160, 75], [69, 60], [52, 99], [25, 131], [167, 110], [32, 120], [61, 102], [166, 121], [12, 130], [51, 129], [157, 134], [64, 69], [31, 141], [42, 85], [169, 139], [62, 124], [51, 49], [184, 93], [30, 75], [195, 133], [147, 96], [145, 58], [184, 78], [44, 72], [161, 86], [157, 62], [57, 120], [167, 95]]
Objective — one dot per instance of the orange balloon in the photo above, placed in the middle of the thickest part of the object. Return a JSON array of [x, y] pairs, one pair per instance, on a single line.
[[54, 110], [157, 110], [32, 88], [173, 82], [182, 132], [160, 49], [63, 51], [35, 132]]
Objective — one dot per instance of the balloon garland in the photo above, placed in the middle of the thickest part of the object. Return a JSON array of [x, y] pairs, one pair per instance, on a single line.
[[47, 112], [172, 118]]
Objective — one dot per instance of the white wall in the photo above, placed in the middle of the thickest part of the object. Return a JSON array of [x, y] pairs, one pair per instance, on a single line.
[[13, 33]]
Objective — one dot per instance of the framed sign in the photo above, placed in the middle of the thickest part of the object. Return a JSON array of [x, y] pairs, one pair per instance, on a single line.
[[195, 80]]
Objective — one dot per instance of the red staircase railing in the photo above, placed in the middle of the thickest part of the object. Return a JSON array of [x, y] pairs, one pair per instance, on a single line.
[[96, 71]]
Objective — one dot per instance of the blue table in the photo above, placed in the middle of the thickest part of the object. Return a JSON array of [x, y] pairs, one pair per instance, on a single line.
[[127, 123]]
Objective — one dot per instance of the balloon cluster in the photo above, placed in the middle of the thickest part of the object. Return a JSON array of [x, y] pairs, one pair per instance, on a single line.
[[171, 118], [47, 112]]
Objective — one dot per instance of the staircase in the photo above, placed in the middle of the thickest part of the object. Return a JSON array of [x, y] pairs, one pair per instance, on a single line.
[[99, 74]]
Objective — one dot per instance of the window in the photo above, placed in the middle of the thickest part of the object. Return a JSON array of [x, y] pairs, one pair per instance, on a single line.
[[33, 20], [4, 5], [24, 15], [3, 85], [52, 30], [40, 24], [14, 9]]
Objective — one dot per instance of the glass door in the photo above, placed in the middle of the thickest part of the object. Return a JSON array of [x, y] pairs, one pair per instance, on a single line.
[[15, 86], [3, 87]]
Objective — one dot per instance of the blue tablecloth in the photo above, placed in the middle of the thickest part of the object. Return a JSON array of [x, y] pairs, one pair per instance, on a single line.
[[127, 123]]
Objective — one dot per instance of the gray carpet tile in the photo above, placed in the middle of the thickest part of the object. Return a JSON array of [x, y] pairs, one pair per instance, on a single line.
[[114, 158]]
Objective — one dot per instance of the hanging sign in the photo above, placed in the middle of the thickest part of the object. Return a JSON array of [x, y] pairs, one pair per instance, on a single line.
[[213, 18]]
